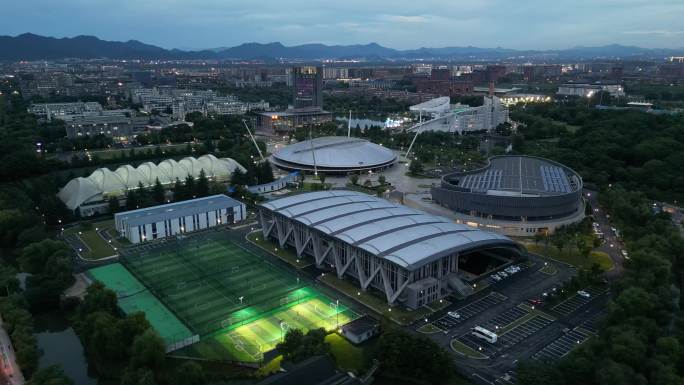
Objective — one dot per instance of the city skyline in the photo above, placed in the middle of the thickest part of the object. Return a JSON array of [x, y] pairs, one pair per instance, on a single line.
[[491, 23]]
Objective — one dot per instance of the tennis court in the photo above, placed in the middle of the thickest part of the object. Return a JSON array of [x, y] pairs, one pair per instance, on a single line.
[[133, 297]]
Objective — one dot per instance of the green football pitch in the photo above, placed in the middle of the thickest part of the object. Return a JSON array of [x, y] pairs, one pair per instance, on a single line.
[[240, 303], [205, 282]]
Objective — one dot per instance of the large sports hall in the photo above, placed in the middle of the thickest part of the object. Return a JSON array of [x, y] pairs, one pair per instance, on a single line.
[[410, 257]]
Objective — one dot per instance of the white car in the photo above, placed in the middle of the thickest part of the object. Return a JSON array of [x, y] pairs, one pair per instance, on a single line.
[[453, 314], [496, 277], [503, 274], [624, 253], [584, 294]]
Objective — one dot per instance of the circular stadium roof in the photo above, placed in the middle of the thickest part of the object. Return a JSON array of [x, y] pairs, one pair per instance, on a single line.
[[334, 154], [513, 187]]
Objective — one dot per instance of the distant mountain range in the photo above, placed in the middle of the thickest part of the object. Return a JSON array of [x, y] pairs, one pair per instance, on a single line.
[[34, 47]]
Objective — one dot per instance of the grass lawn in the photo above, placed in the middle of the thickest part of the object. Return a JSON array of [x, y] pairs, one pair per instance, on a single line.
[[572, 256], [397, 314], [349, 357], [116, 153], [467, 351], [286, 254], [429, 329], [99, 248]]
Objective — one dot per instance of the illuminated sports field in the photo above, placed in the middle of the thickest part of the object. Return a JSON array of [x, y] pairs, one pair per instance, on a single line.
[[261, 333], [238, 302]]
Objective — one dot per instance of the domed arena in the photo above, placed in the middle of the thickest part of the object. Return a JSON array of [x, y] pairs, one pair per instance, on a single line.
[[335, 155]]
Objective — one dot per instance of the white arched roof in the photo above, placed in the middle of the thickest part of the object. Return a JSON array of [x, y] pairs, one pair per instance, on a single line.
[[103, 181], [77, 191], [107, 180], [148, 171], [130, 176], [192, 165], [171, 170]]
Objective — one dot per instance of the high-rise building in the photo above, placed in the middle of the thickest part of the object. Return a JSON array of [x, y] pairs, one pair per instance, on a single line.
[[308, 87]]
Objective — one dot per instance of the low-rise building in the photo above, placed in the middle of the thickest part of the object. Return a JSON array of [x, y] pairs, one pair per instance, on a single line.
[[588, 90], [178, 218]]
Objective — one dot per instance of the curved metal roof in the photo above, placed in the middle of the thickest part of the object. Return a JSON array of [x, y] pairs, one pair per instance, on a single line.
[[335, 152], [403, 235]]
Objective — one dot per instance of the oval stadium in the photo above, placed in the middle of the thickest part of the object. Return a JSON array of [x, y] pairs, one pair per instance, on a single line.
[[335, 155], [514, 195]]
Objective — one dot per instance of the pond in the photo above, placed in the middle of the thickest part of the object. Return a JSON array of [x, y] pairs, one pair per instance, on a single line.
[[60, 345]]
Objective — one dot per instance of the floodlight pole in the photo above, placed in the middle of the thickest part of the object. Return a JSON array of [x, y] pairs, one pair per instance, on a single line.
[[253, 140], [349, 125], [313, 152], [418, 128]]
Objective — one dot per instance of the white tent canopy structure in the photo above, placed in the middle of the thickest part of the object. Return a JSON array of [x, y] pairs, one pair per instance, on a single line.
[[103, 183]]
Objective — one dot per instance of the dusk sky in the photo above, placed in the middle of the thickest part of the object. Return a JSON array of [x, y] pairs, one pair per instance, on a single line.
[[195, 24]]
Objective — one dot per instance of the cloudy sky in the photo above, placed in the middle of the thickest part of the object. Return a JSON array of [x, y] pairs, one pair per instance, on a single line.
[[402, 24]]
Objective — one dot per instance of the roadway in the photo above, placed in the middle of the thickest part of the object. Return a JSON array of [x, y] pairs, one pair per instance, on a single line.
[[611, 245], [10, 373]]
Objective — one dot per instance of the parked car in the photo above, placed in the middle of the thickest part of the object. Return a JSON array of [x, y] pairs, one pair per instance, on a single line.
[[584, 294], [454, 314], [535, 301]]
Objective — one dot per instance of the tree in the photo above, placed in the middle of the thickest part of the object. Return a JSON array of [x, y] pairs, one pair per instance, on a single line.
[[138, 376], [148, 351], [265, 172], [189, 187], [298, 346], [158, 192], [131, 200], [50, 375], [367, 183], [416, 167], [354, 179], [114, 204], [8, 279], [396, 351], [239, 178], [382, 180], [178, 193], [202, 187], [36, 257], [99, 299], [189, 373], [321, 177]]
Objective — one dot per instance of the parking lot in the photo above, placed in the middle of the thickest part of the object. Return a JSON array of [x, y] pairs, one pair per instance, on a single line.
[[506, 274], [507, 340], [447, 322], [508, 378], [76, 243], [562, 345], [576, 301], [505, 318], [591, 324]]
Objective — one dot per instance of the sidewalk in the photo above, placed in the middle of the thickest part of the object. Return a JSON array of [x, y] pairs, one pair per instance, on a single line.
[[10, 369]]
